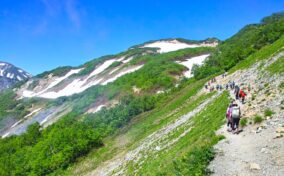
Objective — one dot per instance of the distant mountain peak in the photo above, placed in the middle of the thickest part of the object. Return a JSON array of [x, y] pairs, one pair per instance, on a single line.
[[10, 75]]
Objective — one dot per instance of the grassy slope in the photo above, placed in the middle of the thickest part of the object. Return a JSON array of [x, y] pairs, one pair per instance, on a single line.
[[189, 156], [142, 126], [277, 67], [192, 152], [262, 54]]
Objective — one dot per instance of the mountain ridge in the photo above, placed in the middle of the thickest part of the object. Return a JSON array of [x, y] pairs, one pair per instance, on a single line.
[[10, 75]]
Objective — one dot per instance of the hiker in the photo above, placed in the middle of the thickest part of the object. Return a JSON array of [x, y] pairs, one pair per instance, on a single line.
[[212, 88], [206, 86], [233, 85], [237, 91], [229, 117], [242, 95], [227, 86], [236, 115]]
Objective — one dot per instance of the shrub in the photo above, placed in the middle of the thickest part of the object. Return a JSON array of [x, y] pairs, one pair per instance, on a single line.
[[268, 112], [281, 86], [243, 122], [257, 119], [115, 64]]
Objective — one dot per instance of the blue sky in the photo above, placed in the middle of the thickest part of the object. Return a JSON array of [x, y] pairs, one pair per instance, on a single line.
[[39, 35]]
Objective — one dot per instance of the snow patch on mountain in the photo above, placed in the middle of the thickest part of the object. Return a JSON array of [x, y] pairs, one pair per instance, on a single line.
[[101, 68], [191, 61], [121, 74], [173, 45], [56, 81], [10, 75], [79, 84]]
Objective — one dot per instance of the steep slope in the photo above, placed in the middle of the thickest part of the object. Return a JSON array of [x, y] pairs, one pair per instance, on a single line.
[[153, 121], [97, 84], [246, 42], [165, 139], [258, 150], [122, 155], [160, 72], [66, 81], [10, 75]]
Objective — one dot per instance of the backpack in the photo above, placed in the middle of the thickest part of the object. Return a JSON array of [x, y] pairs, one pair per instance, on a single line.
[[235, 112], [229, 112]]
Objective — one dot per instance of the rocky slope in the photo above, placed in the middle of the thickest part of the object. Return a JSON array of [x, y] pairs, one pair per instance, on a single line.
[[258, 150], [10, 75]]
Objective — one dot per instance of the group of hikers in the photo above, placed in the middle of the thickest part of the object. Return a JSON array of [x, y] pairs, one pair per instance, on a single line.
[[239, 93], [209, 86], [233, 114]]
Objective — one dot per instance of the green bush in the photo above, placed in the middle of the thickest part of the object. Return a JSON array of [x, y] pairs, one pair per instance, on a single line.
[[268, 112], [60, 71], [257, 119], [196, 161], [42, 152], [115, 64], [243, 122], [281, 85]]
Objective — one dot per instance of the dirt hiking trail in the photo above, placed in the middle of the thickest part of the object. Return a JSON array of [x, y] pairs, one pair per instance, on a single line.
[[259, 149]]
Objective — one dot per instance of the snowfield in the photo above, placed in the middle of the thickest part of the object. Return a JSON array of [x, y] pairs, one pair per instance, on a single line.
[[191, 61], [27, 93], [80, 84], [173, 45]]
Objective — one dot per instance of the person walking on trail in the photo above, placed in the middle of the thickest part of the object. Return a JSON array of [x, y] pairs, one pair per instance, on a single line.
[[233, 85], [242, 96], [237, 91], [229, 117], [206, 86], [236, 116]]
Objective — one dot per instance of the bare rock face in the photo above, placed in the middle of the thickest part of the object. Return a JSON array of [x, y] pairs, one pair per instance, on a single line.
[[10, 75]]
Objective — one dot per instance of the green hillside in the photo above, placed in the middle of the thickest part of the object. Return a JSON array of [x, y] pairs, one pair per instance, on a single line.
[[79, 143]]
